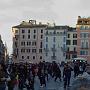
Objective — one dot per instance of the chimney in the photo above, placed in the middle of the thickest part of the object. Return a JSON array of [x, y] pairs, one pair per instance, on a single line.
[[33, 22], [79, 17], [40, 23]]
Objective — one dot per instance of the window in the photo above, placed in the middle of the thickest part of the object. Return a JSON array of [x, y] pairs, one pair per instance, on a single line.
[[23, 31], [40, 50], [46, 32], [16, 37], [61, 33], [46, 39], [34, 43], [54, 56], [40, 44], [28, 50], [54, 39], [23, 36], [40, 57], [28, 43], [16, 31], [64, 47], [84, 35], [83, 52], [34, 31], [41, 30], [74, 35], [68, 35], [85, 44], [16, 44], [29, 31], [53, 45], [46, 45], [74, 42], [33, 57], [53, 53], [68, 42], [74, 49], [27, 57], [68, 49], [54, 32], [33, 50], [22, 50], [28, 36], [64, 39], [74, 56], [34, 36], [82, 27], [41, 36], [64, 33], [22, 57], [46, 53], [22, 43], [68, 56]]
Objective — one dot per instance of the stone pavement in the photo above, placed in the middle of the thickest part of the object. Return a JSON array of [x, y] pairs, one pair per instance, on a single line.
[[76, 84]]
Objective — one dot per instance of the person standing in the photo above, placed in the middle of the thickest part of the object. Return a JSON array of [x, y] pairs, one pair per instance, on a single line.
[[67, 75], [76, 69], [2, 78], [58, 74]]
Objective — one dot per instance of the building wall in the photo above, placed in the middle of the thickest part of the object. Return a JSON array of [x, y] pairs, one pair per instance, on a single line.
[[2, 51], [30, 55], [83, 32], [60, 45], [72, 47]]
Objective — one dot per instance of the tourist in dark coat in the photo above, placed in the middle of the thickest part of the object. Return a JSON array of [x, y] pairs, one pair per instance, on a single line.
[[76, 69], [67, 75]]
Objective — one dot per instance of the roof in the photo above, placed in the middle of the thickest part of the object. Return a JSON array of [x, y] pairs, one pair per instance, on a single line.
[[29, 26], [72, 29], [57, 27]]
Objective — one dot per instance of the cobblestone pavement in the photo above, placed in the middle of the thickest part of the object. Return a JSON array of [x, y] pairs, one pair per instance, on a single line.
[[79, 83]]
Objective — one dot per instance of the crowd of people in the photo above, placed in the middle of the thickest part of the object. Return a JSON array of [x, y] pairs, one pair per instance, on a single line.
[[23, 74]]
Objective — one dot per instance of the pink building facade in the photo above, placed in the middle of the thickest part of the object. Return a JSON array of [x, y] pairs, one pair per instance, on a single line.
[[83, 38]]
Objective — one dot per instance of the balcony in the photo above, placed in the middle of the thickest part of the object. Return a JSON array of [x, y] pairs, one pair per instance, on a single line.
[[63, 49], [84, 47], [53, 49], [54, 33], [46, 49], [53, 57]]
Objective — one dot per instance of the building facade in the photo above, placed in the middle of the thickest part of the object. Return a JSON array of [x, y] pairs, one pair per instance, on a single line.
[[28, 42], [71, 43], [83, 34], [3, 51], [55, 43]]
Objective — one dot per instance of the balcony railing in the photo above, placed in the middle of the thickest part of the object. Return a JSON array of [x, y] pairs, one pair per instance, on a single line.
[[54, 33], [53, 57], [53, 49], [84, 47], [46, 49]]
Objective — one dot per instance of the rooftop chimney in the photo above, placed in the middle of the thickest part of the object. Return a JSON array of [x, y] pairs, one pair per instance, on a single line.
[[33, 22]]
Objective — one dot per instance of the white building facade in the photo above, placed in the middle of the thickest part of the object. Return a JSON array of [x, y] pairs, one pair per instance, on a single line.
[[28, 42], [71, 44], [55, 43]]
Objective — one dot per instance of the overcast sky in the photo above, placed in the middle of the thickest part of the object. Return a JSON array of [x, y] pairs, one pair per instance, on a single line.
[[62, 12]]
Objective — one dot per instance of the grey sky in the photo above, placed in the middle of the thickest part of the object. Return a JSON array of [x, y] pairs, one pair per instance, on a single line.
[[63, 12]]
